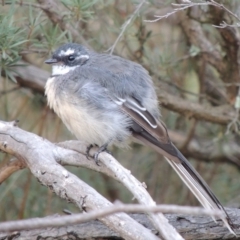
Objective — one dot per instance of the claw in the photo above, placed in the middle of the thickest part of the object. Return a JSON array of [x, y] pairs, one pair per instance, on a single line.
[[88, 150], [96, 158], [103, 148]]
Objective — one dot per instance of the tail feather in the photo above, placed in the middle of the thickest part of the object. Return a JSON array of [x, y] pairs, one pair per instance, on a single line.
[[204, 199], [188, 175], [208, 201], [153, 133]]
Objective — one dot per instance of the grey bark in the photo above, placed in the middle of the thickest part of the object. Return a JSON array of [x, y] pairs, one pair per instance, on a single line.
[[191, 228]]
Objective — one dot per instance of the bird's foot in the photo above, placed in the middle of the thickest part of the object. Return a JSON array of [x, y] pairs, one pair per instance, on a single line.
[[88, 150], [103, 148]]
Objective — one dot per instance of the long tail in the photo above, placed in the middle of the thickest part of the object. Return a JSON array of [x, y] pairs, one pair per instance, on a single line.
[[187, 173]]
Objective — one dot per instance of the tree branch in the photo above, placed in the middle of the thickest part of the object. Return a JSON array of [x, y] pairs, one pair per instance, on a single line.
[[131, 183], [59, 180], [192, 228], [196, 37], [11, 167], [22, 144], [30, 147], [224, 150], [221, 115], [228, 66], [36, 223]]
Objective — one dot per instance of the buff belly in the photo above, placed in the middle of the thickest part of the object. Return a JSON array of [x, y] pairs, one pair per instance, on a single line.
[[87, 124]]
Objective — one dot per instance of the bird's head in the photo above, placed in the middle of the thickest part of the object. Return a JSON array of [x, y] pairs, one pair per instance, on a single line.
[[67, 57]]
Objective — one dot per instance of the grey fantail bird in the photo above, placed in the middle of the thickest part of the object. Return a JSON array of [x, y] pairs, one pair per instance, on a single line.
[[105, 99]]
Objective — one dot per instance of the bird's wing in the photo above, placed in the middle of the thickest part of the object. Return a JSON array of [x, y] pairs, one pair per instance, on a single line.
[[153, 133]]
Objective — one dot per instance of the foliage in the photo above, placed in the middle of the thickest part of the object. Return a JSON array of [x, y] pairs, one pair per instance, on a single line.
[[11, 40]]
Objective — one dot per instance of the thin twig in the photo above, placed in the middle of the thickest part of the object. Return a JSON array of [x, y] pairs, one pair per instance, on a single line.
[[125, 25], [97, 214], [184, 6], [224, 24], [224, 8], [11, 167]]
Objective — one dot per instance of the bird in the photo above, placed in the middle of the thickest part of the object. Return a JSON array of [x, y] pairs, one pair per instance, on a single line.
[[108, 100]]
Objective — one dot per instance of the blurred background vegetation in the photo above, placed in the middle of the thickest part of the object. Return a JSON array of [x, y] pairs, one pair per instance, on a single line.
[[31, 30]]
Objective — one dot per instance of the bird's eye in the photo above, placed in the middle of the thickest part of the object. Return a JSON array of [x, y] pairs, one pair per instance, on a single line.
[[71, 58]]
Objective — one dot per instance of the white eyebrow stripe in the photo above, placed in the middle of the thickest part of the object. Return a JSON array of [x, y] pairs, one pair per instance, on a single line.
[[83, 57], [69, 51]]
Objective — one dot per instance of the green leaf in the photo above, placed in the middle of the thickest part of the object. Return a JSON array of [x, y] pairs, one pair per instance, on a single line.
[[18, 43]]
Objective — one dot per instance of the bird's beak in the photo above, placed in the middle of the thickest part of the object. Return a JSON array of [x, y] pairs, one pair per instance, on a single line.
[[51, 61]]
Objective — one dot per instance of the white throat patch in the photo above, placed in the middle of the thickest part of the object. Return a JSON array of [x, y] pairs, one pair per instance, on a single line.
[[61, 69]]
